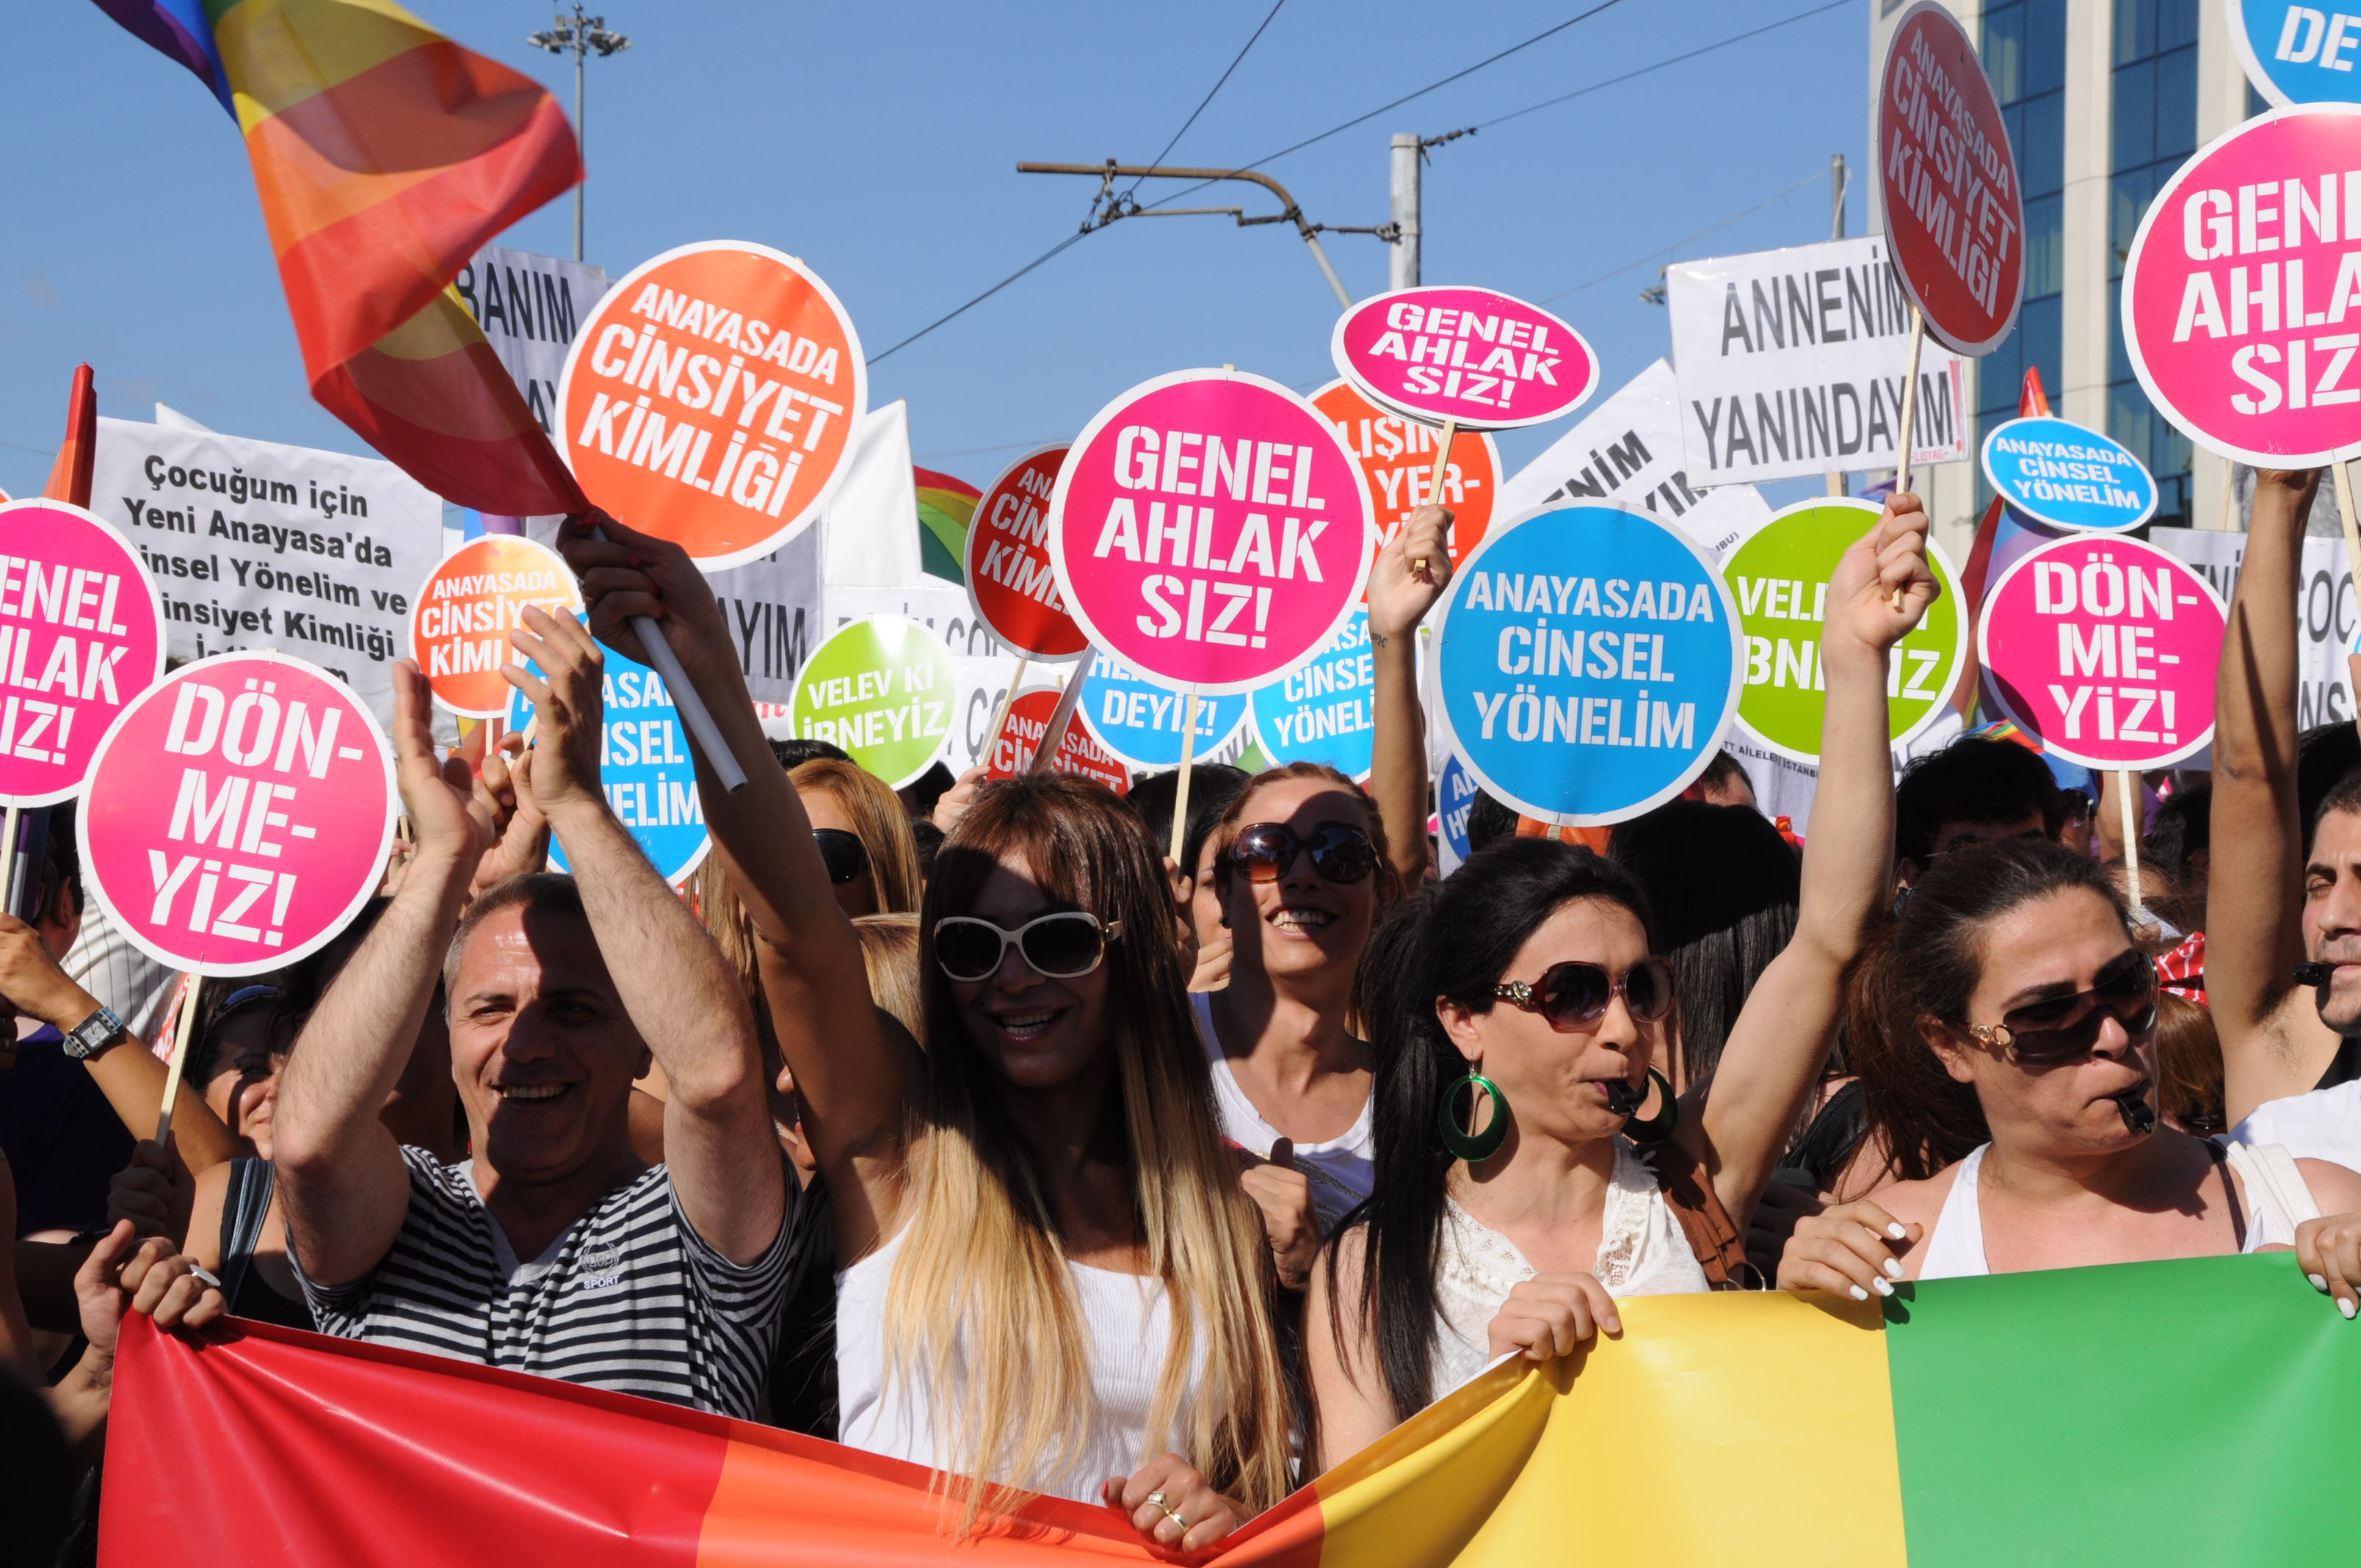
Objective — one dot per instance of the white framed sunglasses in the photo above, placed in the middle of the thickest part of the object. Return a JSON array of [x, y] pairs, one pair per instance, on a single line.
[[1063, 945]]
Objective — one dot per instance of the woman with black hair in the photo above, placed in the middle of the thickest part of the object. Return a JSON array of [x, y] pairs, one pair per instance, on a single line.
[[2006, 1029], [1518, 1010]]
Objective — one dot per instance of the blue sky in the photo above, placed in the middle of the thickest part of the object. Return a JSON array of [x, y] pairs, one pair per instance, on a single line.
[[878, 142]]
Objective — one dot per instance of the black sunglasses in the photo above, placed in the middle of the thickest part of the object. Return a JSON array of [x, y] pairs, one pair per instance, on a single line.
[[1340, 852], [1064, 946], [2060, 1029], [841, 853], [1576, 995]]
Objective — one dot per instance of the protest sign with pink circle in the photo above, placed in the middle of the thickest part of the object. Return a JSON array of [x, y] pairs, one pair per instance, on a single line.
[[238, 814], [2103, 649], [2242, 293], [81, 633], [1210, 529], [1481, 359]]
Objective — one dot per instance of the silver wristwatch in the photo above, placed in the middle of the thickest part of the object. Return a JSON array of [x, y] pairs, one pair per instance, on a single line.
[[93, 1034]]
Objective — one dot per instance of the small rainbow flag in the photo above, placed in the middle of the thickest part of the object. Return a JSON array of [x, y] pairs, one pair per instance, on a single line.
[[946, 506], [385, 156], [2195, 1411]]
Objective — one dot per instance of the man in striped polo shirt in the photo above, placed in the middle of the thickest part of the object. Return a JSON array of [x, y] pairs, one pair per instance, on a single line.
[[554, 1250]]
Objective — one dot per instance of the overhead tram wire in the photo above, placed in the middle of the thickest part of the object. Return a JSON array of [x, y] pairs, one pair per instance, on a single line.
[[1235, 61], [1397, 103], [954, 316], [1675, 59]]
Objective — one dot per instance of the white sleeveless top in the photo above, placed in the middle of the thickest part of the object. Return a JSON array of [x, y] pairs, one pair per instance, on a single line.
[[1642, 1252], [2276, 1202], [1340, 1170], [1126, 1321]]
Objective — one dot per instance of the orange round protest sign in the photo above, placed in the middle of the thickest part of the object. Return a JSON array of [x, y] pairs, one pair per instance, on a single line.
[[1395, 454], [1009, 579], [1013, 751], [466, 608], [710, 398]]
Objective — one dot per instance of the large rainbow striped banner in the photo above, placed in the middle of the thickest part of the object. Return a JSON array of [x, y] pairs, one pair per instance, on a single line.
[[2199, 1411], [385, 156]]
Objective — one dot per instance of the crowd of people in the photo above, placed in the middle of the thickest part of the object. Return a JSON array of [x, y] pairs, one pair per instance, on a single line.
[[991, 1137]]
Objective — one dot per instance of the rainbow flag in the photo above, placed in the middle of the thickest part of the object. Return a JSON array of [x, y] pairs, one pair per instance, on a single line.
[[946, 506], [2197, 1411], [385, 156]]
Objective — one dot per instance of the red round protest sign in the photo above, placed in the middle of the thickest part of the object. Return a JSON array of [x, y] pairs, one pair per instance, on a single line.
[[1019, 741], [1487, 360], [238, 813], [2104, 649], [1210, 529], [2242, 294], [1010, 581], [710, 397], [1396, 457], [1953, 211], [82, 634], [466, 608]]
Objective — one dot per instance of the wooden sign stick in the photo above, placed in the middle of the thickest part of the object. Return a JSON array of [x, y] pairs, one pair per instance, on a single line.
[[183, 1024], [1421, 567], [1909, 412], [1181, 791], [2129, 787], [2344, 516], [1007, 701]]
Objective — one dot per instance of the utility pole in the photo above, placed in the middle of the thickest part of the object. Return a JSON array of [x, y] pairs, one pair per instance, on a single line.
[[1113, 205], [1838, 180], [1403, 267], [580, 36]]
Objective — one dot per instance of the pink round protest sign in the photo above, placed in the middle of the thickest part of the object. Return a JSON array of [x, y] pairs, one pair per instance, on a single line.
[[238, 814], [1481, 359], [1210, 529], [2240, 295], [81, 633], [1952, 208], [2104, 649]]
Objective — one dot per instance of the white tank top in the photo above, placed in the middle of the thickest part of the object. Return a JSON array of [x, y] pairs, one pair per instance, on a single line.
[[2276, 1202], [1126, 1321], [1340, 1170], [1642, 1251]]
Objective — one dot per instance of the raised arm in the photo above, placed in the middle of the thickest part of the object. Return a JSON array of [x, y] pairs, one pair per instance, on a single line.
[[1399, 597], [340, 1170], [720, 1149], [2273, 1043], [35, 984], [853, 1070], [1782, 1036]]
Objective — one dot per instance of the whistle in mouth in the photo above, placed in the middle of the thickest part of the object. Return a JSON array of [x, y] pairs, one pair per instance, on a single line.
[[1624, 1099], [2138, 1114]]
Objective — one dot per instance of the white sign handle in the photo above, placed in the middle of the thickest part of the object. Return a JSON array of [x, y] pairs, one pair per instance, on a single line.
[[1909, 412], [2343, 515], [1007, 701], [1181, 791], [685, 698], [1061, 717], [2129, 787]]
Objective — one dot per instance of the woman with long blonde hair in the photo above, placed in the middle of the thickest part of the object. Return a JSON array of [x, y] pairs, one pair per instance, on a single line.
[[863, 834], [1049, 1281]]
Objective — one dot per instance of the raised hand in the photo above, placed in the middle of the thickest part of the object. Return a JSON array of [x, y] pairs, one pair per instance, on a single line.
[[1889, 559], [567, 705], [1401, 589], [505, 788], [439, 796], [625, 572]]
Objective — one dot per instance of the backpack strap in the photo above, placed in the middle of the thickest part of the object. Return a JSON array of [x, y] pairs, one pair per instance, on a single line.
[[1716, 1239]]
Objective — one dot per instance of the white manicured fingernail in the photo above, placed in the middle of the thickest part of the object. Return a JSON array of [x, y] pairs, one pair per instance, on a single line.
[[2345, 1305], [1882, 1288], [1859, 1294], [1892, 1268], [2317, 1282], [1898, 1232]]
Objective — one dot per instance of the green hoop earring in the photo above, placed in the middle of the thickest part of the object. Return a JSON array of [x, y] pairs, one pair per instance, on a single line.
[[1472, 1146], [1660, 1125]]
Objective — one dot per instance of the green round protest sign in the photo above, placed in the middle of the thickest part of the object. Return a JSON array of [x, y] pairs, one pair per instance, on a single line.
[[1779, 578], [883, 689]]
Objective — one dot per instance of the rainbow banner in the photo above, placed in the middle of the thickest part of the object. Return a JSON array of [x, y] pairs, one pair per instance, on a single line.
[[946, 506], [2198, 1411], [385, 155]]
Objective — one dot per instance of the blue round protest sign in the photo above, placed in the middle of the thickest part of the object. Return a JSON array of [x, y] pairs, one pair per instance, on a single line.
[[1589, 664], [1326, 711], [2059, 473], [2298, 54], [644, 768], [1454, 802], [1141, 721]]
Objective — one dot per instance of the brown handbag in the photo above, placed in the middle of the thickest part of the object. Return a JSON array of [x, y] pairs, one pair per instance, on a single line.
[[1716, 1239]]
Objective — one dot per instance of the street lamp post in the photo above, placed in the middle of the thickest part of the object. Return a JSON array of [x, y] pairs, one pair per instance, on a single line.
[[579, 36]]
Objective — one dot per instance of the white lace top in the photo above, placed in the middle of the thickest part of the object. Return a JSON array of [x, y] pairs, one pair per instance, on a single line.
[[1642, 1252]]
